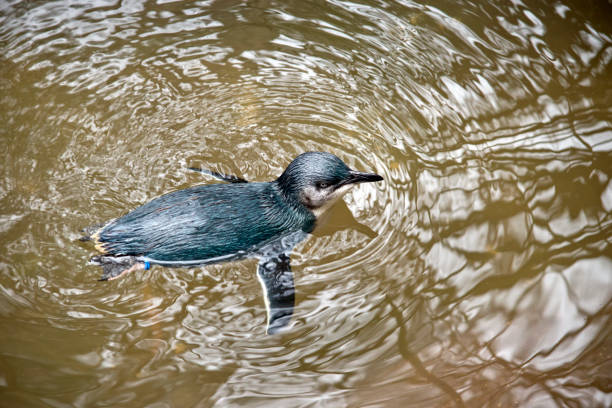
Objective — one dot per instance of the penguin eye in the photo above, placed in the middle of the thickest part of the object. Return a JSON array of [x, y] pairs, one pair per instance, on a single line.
[[322, 185]]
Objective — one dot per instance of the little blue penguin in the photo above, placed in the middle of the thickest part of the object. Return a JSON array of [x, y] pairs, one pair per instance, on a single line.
[[213, 223]]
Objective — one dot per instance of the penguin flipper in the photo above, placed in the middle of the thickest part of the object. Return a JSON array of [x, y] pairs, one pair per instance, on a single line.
[[229, 178], [276, 279]]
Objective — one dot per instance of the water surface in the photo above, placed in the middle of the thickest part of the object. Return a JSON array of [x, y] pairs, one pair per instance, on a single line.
[[479, 273]]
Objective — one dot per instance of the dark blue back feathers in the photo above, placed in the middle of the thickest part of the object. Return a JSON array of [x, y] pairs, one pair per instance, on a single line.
[[205, 221]]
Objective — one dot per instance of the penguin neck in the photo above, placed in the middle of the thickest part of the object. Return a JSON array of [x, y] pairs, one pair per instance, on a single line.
[[291, 203]]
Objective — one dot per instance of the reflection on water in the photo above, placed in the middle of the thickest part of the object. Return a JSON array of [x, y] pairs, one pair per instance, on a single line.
[[478, 274]]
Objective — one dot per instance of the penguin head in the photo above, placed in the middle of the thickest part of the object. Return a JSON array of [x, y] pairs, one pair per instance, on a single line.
[[316, 180]]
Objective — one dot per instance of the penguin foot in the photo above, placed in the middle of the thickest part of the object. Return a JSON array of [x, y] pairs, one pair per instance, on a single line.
[[136, 267], [114, 267]]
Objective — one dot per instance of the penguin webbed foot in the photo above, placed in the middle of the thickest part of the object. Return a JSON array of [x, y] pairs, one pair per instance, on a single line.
[[114, 267]]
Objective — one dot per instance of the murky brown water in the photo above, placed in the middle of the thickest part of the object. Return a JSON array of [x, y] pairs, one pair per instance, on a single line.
[[479, 273]]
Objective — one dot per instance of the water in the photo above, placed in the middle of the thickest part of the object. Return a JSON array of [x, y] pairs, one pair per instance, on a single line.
[[479, 273]]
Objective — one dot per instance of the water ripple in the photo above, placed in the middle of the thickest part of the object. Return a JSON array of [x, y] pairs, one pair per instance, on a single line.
[[477, 274]]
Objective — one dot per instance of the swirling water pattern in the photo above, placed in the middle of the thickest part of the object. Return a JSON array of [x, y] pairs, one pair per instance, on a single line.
[[478, 274]]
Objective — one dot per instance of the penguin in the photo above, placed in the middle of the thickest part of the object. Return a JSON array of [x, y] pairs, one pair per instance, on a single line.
[[216, 223]]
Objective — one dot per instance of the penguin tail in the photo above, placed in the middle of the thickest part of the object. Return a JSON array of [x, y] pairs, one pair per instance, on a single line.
[[89, 232], [114, 267]]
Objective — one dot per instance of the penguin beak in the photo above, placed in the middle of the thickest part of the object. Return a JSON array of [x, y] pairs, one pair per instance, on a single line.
[[361, 177]]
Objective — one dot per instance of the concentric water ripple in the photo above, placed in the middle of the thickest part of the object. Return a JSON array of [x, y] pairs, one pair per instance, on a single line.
[[478, 274]]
